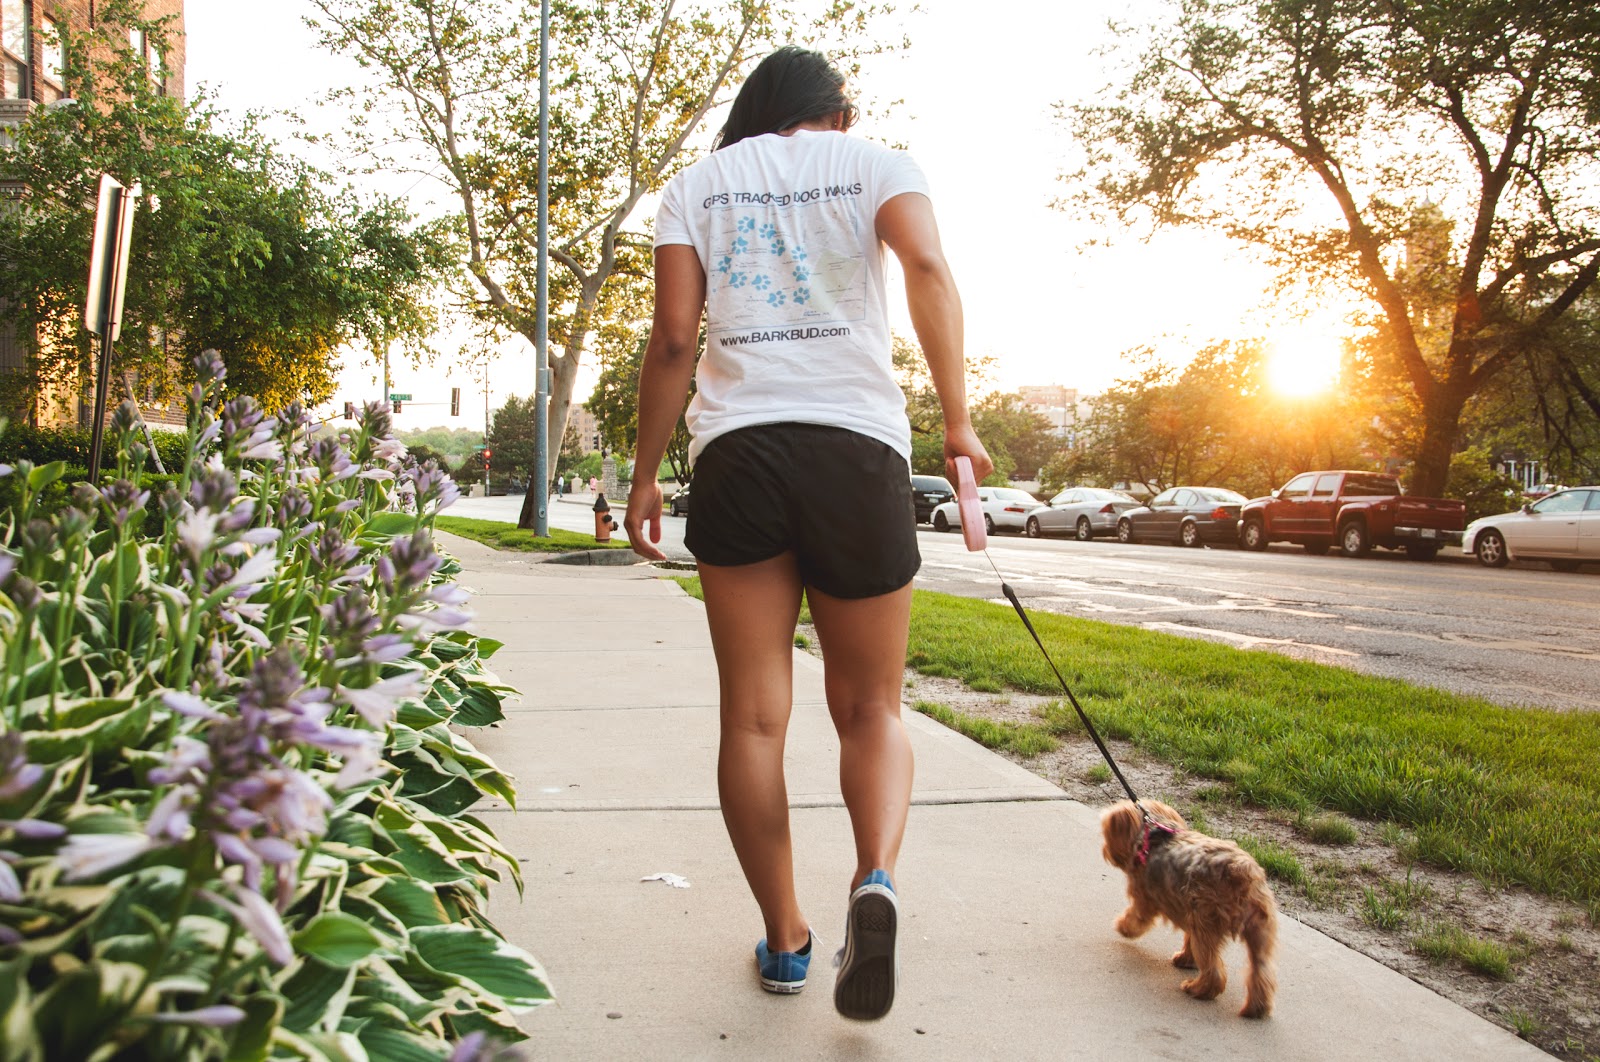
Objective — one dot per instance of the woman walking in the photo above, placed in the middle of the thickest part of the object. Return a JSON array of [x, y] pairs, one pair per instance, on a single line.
[[800, 445]]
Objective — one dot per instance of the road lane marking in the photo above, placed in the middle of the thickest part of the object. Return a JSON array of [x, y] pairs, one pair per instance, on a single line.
[[1248, 641]]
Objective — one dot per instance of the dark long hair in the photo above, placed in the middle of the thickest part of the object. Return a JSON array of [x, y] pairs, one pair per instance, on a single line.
[[790, 86]]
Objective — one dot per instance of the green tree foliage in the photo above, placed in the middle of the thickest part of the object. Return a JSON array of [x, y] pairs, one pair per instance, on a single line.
[[512, 438], [249, 253], [1212, 423], [454, 443], [631, 82], [615, 402], [1438, 158]]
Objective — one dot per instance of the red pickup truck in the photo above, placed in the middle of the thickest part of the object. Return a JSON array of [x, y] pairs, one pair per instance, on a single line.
[[1354, 511]]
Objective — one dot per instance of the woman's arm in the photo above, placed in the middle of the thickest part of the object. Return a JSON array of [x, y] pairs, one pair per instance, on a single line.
[[664, 377], [906, 224]]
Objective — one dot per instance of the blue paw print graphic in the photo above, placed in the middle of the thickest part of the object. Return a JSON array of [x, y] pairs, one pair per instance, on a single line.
[[798, 254], [776, 299], [801, 274], [761, 282], [802, 296], [768, 231], [777, 246], [740, 245], [736, 280], [747, 224], [725, 264]]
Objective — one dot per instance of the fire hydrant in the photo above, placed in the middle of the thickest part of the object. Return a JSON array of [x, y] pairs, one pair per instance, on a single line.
[[602, 519]]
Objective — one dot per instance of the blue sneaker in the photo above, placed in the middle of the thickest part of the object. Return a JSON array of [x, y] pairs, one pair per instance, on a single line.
[[864, 989], [783, 972]]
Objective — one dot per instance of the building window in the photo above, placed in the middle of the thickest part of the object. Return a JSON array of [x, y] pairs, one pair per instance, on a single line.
[[51, 59], [14, 50]]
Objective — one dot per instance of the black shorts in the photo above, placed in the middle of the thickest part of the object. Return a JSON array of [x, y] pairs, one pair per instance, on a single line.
[[839, 500]]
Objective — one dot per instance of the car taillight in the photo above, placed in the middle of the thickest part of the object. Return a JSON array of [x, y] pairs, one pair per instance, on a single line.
[[1219, 513], [1015, 509], [1109, 507]]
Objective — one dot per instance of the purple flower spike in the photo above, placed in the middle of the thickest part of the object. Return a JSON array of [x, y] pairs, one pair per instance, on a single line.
[[17, 775], [258, 918], [88, 854], [122, 501], [209, 368], [411, 563]]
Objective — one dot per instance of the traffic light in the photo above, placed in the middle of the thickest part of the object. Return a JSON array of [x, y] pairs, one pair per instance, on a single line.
[[397, 404], [486, 458], [349, 411], [455, 401]]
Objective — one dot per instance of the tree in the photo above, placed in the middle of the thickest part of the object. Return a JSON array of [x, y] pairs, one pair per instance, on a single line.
[[1455, 144], [512, 438], [631, 82], [615, 401], [248, 252]]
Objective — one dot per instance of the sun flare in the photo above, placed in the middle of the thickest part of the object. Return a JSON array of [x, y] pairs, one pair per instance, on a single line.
[[1302, 363]]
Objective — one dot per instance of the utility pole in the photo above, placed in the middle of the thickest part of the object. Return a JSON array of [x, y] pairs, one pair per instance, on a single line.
[[541, 402]]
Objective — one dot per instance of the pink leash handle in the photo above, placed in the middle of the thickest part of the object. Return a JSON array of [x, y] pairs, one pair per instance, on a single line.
[[972, 525]]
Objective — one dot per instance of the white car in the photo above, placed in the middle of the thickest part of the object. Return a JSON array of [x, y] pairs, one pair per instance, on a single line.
[[1003, 508], [1562, 528]]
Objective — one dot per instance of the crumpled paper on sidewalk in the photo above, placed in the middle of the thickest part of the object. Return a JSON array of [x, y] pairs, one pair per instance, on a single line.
[[677, 881]]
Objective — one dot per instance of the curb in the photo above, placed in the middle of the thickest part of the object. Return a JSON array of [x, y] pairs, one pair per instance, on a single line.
[[607, 557]]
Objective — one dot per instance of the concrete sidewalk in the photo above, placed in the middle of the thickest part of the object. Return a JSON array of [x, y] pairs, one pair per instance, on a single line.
[[1007, 949]]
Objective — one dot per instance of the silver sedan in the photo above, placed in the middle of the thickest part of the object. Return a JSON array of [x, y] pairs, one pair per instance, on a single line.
[[1562, 528], [1083, 512]]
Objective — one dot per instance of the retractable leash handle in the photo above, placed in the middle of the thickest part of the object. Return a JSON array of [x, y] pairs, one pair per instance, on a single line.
[[972, 525]]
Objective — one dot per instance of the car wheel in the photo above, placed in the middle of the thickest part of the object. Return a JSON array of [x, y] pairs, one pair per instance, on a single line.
[[1033, 528], [988, 523], [1125, 532], [1491, 549], [1189, 534], [1353, 541], [1421, 551], [1085, 529], [1566, 565], [1318, 549], [1253, 536], [940, 523]]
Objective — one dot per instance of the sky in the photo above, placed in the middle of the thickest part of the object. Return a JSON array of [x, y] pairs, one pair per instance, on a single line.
[[1052, 298]]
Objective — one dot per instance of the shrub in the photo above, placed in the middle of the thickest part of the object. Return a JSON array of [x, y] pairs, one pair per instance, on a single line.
[[234, 812]]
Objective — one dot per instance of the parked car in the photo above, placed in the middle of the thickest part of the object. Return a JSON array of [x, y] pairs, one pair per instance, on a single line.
[[1083, 512], [1189, 516], [679, 506], [1355, 511], [928, 493], [1562, 528], [1003, 508]]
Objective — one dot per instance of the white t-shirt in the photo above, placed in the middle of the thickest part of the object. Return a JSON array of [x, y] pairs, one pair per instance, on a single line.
[[797, 324]]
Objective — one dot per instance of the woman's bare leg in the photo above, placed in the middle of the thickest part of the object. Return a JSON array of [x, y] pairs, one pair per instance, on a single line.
[[864, 657], [752, 610]]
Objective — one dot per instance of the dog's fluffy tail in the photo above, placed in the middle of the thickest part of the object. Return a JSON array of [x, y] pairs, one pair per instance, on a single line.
[[1260, 936]]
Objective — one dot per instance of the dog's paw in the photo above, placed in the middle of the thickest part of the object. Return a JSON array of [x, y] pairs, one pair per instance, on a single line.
[[1184, 961], [1129, 926], [1203, 987], [1256, 1008]]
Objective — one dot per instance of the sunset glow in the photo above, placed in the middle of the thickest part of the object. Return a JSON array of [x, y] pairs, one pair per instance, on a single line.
[[1303, 363]]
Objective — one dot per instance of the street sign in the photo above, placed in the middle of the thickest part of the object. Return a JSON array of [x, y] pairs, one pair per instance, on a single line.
[[397, 397]]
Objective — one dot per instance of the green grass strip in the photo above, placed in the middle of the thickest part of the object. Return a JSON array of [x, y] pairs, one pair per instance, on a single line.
[[1024, 739], [1511, 795], [506, 536]]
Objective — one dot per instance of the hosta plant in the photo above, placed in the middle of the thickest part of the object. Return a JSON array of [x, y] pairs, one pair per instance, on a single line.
[[235, 796]]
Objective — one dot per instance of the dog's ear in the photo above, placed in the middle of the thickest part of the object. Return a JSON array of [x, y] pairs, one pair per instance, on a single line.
[[1119, 824]]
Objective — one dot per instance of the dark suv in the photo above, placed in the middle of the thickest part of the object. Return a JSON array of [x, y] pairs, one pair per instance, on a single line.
[[930, 491]]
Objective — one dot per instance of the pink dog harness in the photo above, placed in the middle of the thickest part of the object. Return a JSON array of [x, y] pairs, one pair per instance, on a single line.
[[1146, 842]]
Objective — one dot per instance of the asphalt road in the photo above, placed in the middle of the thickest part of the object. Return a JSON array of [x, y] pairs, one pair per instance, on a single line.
[[1523, 635]]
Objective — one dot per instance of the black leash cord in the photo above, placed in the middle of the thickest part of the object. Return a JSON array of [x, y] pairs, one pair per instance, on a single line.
[[1011, 595]]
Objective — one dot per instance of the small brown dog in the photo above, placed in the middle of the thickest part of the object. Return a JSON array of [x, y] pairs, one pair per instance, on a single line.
[[1212, 890]]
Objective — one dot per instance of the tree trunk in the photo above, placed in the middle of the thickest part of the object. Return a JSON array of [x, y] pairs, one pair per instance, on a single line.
[[563, 377], [1441, 427]]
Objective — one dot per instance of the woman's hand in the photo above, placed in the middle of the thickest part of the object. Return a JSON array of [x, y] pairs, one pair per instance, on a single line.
[[644, 507], [964, 442]]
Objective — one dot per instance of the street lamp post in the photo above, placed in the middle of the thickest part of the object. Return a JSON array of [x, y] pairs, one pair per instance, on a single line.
[[541, 415]]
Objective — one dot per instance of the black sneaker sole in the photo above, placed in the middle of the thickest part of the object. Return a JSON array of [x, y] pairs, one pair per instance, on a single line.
[[864, 990]]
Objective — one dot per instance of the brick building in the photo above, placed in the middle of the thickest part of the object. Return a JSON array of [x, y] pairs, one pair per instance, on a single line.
[[31, 60]]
